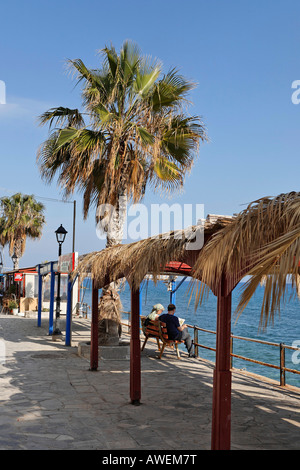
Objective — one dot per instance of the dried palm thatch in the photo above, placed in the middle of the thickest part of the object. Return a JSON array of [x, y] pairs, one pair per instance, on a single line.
[[148, 256], [263, 242], [134, 260]]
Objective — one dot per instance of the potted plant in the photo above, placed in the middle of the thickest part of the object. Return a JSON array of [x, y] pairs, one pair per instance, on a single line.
[[13, 307]]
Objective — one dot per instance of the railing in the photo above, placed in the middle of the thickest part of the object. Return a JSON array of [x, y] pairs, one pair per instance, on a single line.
[[282, 348], [128, 322]]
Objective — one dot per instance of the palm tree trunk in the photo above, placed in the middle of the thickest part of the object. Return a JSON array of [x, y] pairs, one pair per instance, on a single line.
[[115, 227], [110, 306]]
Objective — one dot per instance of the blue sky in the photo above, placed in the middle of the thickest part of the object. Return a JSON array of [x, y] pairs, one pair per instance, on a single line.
[[243, 54]]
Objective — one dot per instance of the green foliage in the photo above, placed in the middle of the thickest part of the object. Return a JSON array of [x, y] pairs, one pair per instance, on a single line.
[[132, 130], [13, 304], [21, 217]]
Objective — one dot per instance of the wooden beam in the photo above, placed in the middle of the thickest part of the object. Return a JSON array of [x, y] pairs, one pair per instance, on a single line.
[[135, 348], [221, 418], [94, 329]]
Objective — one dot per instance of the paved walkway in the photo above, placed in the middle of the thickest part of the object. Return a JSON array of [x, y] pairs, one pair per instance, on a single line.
[[50, 400]]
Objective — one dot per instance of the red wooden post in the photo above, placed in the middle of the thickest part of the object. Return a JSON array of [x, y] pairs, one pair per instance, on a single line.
[[135, 348], [221, 419], [94, 330]]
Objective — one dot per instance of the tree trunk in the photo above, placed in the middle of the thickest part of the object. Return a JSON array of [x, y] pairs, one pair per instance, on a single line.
[[110, 306]]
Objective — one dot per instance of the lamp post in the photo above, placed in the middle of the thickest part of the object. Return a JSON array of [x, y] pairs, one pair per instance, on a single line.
[[14, 260], [60, 237]]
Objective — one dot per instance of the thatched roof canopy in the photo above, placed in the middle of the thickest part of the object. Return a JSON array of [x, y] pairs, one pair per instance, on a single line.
[[263, 241], [150, 256]]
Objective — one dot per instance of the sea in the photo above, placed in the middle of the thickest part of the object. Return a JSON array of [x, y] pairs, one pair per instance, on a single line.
[[285, 328]]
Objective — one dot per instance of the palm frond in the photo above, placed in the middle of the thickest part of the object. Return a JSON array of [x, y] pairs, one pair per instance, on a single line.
[[61, 116], [144, 81], [167, 171]]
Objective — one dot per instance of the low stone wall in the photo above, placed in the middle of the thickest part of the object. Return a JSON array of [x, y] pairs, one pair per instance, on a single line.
[[120, 352]]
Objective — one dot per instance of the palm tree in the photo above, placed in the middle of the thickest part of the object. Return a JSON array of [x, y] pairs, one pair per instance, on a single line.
[[22, 217], [133, 132]]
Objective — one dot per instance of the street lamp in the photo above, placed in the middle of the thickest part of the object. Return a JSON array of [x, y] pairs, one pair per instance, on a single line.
[[14, 260], [60, 237]]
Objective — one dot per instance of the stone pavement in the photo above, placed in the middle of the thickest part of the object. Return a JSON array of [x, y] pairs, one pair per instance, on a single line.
[[51, 400]]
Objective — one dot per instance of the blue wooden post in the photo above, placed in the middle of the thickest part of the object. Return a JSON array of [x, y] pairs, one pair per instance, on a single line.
[[69, 312], [94, 356], [141, 298], [40, 278], [51, 310], [173, 292], [174, 288]]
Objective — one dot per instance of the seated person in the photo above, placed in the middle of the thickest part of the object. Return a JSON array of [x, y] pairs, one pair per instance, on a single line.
[[157, 309], [175, 331]]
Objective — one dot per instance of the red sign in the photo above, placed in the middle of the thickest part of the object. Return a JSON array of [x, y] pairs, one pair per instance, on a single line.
[[18, 276]]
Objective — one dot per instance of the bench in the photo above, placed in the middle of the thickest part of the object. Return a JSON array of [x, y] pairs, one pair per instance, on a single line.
[[158, 330]]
